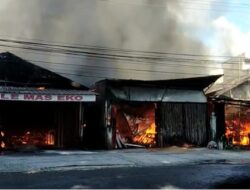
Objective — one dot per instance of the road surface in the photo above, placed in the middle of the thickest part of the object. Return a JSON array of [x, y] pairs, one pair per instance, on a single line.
[[157, 168], [183, 176]]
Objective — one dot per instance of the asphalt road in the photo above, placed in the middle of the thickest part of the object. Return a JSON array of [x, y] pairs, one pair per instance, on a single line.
[[200, 175]]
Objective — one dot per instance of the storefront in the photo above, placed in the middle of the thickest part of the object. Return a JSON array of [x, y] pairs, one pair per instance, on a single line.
[[45, 118], [153, 113], [39, 108], [231, 106]]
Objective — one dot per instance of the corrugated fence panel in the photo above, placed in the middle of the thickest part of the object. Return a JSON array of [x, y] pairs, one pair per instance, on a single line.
[[181, 123], [171, 122], [195, 123]]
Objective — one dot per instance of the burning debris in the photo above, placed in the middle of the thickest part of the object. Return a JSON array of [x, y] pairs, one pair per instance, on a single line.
[[2, 140], [27, 138], [135, 124], [2, 145], [50, 138], [237, 125]]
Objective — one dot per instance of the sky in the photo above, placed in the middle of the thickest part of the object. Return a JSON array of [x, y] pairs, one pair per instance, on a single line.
[[176, 27], [233, 27], [223, 26]]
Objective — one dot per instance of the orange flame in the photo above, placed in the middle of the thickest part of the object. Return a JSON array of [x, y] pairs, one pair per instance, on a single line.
[[34, 138], [50, 140], [244, 141], [238, 132], [147, 137], [3, 145], [136, 124]]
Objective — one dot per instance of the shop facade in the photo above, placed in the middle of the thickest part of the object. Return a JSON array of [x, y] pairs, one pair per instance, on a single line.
[[153, 113], [39, 108], [231, 106]]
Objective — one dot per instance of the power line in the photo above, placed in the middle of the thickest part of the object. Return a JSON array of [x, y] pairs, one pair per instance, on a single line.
[[128, 58], [187, 2], [172, 59], [142, 70], [101, 48], [176, 63], [113, 75], [117, 57], [101, 68], [193, 6], [215, 3], [117, 68], [110, 56], [96, 55]]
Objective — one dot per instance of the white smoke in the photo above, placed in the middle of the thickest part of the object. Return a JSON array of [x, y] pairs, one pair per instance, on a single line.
[[230, 40]]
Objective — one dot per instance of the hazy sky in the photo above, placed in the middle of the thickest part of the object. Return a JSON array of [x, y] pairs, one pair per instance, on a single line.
[[207, 27], [231, 30]]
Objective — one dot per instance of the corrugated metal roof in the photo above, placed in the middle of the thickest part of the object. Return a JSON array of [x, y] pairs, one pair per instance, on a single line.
[[225, 87], [236, 72], [198, 83], [143, 94]]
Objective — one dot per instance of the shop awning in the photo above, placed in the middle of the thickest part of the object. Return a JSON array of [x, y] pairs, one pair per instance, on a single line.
[[158, 95], [45, 95]]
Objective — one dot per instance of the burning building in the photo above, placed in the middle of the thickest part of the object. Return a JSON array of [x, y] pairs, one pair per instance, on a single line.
[[152, 113], [229, 100], [38, 107], [232, 110]]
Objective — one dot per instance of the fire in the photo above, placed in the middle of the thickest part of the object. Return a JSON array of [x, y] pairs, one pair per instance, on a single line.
[[36, 138], [237, 123], [136, 124], [239, 133], [41, 88], [146, 137], [151, 130], [3, 145], [50, 140], [244, 141]]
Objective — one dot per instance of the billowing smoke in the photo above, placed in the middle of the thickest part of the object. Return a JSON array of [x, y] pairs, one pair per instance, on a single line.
[[145, 25]]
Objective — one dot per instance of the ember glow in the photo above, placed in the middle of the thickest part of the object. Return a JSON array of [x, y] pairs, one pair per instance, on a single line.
[[3, 145], [237, 125], [41, 88], [146, 137], [50, 139], [34, 138], [136, 124], [239, 133]]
